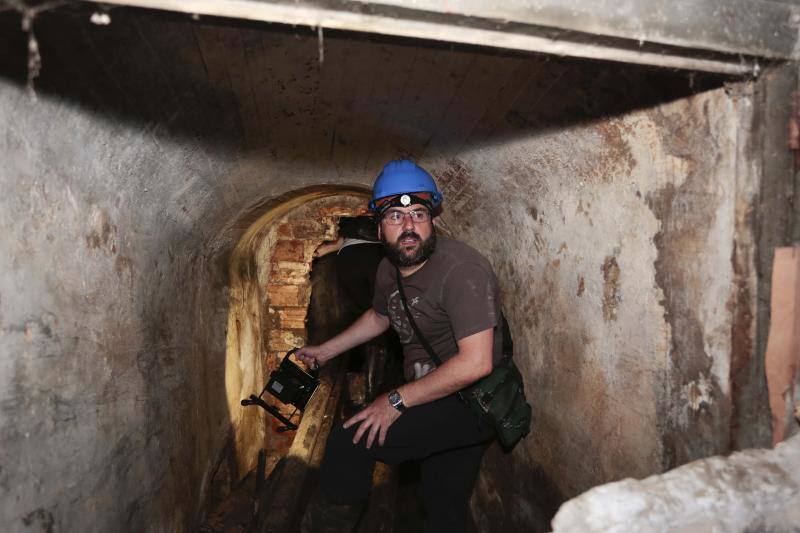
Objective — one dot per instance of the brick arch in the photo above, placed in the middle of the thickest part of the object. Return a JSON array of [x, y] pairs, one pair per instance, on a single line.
[[296, 237], [287, 286], [268, 301]]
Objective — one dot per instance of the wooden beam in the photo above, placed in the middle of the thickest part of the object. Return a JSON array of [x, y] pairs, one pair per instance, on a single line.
[[389, 18]]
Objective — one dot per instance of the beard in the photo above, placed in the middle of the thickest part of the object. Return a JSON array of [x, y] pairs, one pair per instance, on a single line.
[[401, 256]]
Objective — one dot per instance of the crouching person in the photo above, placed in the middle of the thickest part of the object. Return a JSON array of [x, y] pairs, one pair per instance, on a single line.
[[452, 294]]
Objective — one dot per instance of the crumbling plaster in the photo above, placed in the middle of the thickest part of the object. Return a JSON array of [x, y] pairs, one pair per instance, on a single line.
[[605, 197]]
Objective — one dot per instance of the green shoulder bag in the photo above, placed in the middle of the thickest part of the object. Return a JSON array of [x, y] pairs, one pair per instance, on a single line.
[[499, 398]]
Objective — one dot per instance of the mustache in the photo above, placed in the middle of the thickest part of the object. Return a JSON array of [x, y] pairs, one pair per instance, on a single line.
[[410, 234]]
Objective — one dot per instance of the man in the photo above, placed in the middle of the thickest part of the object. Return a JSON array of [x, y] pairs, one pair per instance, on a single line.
[[454, 297]]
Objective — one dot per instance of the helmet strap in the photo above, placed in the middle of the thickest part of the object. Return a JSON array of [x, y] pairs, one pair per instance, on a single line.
[[404, 200]]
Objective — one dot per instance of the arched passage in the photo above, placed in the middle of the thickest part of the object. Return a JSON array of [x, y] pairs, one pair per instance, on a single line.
[[269, 295]]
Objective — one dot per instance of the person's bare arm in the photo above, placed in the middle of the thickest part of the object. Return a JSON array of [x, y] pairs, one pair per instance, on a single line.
[[329, 247], [366, 327], [472, 362]]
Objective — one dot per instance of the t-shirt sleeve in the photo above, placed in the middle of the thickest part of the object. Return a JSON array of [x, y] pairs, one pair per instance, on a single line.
[[383, 283], [471, 299]]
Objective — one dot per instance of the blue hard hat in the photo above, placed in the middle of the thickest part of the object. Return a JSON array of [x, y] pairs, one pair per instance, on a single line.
[[404, 177]]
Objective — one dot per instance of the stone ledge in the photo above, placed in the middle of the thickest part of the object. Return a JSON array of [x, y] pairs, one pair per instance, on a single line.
[[752, 490]]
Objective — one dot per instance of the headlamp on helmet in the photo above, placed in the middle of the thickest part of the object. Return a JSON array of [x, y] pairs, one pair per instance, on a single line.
[[404, 181]]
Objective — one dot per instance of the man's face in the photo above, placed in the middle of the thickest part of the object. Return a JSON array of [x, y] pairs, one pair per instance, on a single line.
[[408, 243]]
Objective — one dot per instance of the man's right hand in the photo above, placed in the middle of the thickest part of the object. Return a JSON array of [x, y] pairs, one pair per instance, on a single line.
[[368, 326], [313, 356]]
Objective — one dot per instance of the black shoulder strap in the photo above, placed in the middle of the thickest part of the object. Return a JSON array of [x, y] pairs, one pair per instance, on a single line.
[[417, 332]]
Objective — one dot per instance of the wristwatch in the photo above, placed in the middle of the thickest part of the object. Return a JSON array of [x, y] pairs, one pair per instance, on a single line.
[[396, 401]]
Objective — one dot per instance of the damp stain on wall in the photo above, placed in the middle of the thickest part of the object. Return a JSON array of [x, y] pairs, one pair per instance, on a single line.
[[611, 288]]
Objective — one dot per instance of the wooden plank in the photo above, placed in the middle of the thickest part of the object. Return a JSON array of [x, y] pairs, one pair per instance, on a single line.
[[283, 511], [379, 515]]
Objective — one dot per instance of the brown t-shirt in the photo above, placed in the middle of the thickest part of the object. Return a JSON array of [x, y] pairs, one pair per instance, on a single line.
[[454, 295]]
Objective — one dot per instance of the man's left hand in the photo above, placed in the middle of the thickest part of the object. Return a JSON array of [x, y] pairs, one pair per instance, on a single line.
[[376, 419]]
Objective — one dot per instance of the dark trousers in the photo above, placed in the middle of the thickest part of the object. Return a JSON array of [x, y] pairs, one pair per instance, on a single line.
[[444, 435]]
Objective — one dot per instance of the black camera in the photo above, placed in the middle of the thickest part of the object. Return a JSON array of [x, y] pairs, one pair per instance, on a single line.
[[291, 385]]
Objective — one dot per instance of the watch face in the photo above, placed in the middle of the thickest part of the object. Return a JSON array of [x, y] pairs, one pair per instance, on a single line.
[[396, 400]]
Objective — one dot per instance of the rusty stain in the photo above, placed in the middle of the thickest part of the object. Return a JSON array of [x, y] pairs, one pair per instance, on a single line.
[[562, 248], [617, 157], [686, 212], [581, 286], [742, 382], [739, 305], [611, 298]]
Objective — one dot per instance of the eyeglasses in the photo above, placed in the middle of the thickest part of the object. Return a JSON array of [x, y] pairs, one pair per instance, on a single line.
[[395, 218]]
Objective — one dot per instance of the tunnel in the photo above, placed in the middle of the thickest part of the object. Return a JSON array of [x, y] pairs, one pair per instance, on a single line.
[[166, 179]]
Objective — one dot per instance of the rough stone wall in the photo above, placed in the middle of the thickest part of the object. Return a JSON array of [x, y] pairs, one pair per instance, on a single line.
[[604, 195], [618, 267]]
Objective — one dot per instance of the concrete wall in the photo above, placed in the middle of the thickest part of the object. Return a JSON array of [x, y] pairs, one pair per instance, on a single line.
[[608, 198], [620, 266]]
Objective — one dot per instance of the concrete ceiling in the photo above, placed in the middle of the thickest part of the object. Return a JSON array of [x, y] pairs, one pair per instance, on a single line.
[[725, 36]]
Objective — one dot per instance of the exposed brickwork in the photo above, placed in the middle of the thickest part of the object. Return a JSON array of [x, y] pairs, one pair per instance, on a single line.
[[284, 340], [285, 231], [292, 318], [283, 295], [308, 229], [289, 272], [289, 287], [292, 250]]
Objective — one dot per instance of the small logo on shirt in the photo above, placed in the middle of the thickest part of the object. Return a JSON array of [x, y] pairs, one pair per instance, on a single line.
[[399, 318]]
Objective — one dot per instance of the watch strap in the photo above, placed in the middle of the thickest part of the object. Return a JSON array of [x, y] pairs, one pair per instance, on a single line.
[[396, 401]]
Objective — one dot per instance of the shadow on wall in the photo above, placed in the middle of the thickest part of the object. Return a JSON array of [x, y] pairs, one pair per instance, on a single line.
[[223, 80]]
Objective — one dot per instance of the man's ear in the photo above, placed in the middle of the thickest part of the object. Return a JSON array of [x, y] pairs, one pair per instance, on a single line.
[[435, 221], [380, 232]]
